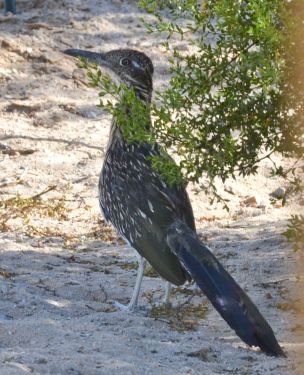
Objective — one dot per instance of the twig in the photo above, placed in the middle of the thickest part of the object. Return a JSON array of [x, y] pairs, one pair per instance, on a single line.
[[50, 188], [179, 307]]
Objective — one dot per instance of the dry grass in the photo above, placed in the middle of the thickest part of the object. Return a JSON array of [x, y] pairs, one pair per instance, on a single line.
[[186, 317], [20, 212]]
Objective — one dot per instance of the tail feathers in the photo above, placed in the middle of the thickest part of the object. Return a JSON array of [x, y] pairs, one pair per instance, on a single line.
[[222, 290]]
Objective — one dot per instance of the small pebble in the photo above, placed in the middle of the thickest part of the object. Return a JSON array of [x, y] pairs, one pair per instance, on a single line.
[[250, 202], [278, 193]]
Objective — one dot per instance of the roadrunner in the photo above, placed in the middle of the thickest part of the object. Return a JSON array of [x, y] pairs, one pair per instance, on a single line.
[[156, 218]]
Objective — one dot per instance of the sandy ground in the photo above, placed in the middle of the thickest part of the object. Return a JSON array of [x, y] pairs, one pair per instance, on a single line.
[[61, 267]]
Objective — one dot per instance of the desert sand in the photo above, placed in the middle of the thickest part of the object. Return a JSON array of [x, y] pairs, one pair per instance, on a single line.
[[62, 266]]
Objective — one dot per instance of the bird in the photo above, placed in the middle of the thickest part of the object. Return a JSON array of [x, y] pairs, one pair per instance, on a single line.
[[156, 218]]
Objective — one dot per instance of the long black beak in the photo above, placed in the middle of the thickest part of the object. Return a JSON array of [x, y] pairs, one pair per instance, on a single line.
[[98, 58]]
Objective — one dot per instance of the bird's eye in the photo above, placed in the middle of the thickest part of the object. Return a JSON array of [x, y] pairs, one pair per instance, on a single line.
[[125, 62]]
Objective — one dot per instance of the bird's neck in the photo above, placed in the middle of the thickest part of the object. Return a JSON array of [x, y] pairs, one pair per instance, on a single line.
[[137, 114]]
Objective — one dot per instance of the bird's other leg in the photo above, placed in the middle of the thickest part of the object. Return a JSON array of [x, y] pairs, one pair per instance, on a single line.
[[167, 294], [134, 299]]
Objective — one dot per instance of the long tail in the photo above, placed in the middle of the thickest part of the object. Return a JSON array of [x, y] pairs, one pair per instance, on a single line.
[[223, 292]]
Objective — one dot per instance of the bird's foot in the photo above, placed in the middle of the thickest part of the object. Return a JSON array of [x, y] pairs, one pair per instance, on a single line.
[[127, 308], [131, 308], [163, 305], [167, 304]]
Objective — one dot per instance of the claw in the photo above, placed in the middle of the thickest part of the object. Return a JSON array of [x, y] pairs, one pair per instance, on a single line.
[[126, 308]]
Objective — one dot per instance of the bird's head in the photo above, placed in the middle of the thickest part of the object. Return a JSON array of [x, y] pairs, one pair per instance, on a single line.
[[132, 67]]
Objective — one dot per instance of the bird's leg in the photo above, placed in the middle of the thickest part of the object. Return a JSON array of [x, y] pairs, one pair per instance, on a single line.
[[134, 299], [140, 273], [167, 294]]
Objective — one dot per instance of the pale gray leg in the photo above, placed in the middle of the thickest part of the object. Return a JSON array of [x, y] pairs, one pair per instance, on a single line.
[[134, 299], [167, 293], [140, 273]]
